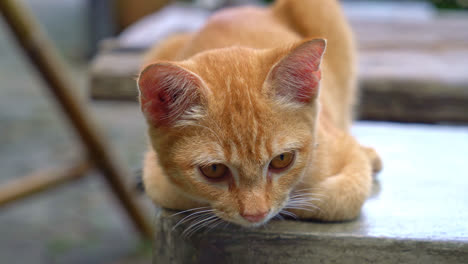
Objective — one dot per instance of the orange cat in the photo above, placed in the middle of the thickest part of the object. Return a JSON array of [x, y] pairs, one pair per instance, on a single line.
[[249, 117]]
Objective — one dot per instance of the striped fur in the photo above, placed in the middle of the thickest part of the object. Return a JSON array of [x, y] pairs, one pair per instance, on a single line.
[[241, 120]]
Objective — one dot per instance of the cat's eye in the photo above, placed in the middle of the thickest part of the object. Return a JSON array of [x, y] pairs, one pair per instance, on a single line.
[[216, 171], [282, 161]]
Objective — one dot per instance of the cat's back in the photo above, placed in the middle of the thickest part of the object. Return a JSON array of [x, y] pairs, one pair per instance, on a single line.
[[283, 23], [253, 27]]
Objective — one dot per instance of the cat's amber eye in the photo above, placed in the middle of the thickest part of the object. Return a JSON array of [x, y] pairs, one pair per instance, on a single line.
[[215, 171], [282, 161]]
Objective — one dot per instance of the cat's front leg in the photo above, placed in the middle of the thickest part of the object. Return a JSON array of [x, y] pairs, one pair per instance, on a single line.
[[338, 197]]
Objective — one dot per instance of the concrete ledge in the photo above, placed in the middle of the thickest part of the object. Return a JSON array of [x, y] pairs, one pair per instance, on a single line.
[[292, 241], [418, 212]]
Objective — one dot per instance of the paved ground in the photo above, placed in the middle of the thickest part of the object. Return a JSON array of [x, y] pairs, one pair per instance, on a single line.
[[78, 223]]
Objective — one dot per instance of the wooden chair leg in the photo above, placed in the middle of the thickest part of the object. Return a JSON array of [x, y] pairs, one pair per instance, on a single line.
[[44, 58], [41, 180]]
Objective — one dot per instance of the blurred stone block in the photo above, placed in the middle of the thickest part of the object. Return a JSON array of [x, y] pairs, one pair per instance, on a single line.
[[411, 70], [113, 75], [414, 85]]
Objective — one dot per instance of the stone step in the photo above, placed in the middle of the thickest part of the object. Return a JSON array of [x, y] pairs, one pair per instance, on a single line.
[[418, 212]]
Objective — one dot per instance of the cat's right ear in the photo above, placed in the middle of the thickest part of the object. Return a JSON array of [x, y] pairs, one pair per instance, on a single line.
[[167, 91], [296, 77]]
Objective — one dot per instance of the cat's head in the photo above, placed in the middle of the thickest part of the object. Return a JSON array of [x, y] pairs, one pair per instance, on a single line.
[[235, 128]]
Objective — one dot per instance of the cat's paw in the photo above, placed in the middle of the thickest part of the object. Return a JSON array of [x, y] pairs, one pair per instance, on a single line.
[[330, 200], [374, 158], [343, 199]]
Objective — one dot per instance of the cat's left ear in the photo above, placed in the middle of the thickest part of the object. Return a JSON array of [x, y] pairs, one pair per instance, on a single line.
[[296, 77], [168, 93]]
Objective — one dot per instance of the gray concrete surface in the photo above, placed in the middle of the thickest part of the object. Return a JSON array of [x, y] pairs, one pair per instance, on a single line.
[[418, 212]]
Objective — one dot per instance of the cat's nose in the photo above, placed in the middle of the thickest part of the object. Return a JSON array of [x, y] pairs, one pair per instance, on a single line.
[[255, 217]]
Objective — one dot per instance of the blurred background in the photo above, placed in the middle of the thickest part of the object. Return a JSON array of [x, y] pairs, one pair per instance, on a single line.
[[414, 68]]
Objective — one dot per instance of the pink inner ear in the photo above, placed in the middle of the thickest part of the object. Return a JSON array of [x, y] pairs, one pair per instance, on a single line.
[[298, 75], [166, 92]]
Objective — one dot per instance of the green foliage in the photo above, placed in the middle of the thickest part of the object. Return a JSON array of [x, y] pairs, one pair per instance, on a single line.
[[450, 4]]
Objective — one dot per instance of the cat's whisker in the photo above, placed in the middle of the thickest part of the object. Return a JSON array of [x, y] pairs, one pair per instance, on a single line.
[[310, 189], [198, 225], [304, 197], [310, 208], [200, 222], [293, 195], [189, 210], [193, 215], [288, 214], [301, 200], [300, 194], [306, 189], [298, 197], [278, 216], [301, 203], [305, 201], [200, 217], [215, 224], [304, 209], [303, 206], [313, 191]]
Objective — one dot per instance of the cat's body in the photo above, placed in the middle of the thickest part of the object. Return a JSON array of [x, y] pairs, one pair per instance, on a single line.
[[250, 81]]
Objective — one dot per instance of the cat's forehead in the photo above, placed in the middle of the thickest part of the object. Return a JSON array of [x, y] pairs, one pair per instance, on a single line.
[[233, 66], [234, 78], [250, 132], [247, 120], [258, 151]]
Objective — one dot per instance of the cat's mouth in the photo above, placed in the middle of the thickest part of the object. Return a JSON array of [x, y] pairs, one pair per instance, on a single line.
[[259, 218], [209, 218], [251, 221]]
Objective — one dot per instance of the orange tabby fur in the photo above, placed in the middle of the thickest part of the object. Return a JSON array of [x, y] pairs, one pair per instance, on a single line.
[[242, 126]]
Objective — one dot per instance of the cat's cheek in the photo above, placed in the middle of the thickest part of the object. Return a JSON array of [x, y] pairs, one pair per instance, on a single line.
[[186, 181]]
